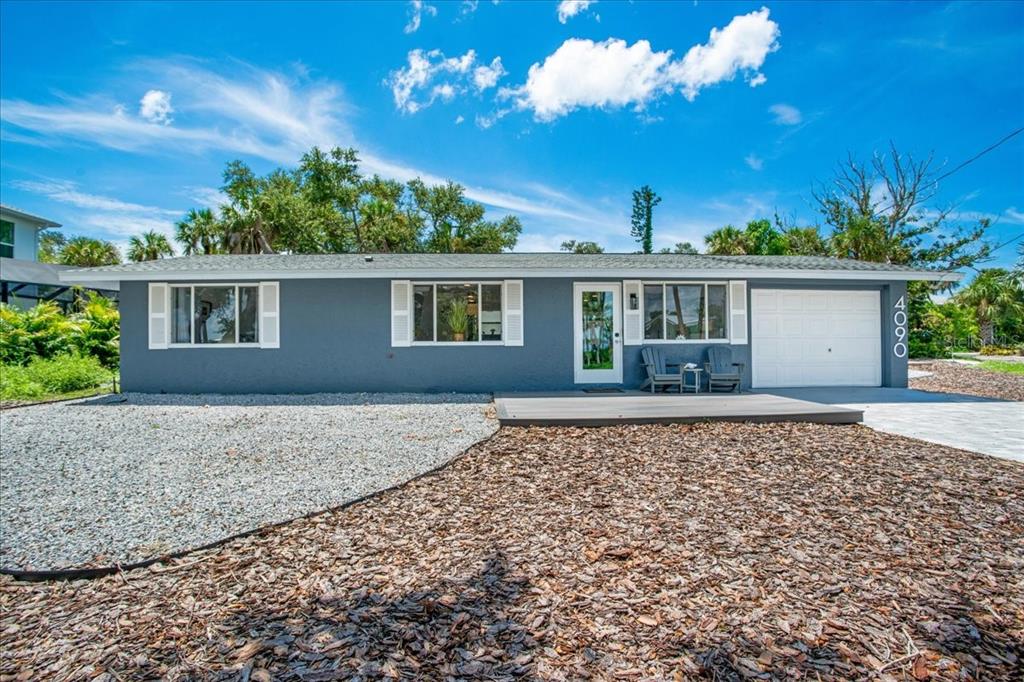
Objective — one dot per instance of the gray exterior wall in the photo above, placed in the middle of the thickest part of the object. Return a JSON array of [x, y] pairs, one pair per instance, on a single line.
[[336, 337]]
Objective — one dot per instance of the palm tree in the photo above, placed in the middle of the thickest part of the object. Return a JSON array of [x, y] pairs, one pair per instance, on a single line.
[[86, 252], [149, 246], [726, 241], [995, 295], [199, 232]]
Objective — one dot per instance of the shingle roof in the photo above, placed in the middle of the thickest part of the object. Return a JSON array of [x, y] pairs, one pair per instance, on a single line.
[[502, 264]]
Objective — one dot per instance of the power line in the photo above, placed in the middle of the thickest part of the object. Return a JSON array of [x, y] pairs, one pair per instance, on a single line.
[[969, 161], [977, 156]]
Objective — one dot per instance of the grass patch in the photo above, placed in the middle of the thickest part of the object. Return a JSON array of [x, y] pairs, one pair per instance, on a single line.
[[44, 379], [1003, 366]]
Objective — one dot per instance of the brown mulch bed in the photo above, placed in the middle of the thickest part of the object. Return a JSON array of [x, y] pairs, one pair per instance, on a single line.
[[955, 377], [721, 551]]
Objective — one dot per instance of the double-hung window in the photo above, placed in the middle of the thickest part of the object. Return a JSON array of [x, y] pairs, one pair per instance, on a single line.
[[215, 314], [685, 311], [457, 312], [6, 239]]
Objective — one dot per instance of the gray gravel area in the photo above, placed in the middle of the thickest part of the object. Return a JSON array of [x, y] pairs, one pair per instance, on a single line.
[[125, 478]]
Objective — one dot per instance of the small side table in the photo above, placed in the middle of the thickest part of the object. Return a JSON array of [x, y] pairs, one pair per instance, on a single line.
[[696, 372]]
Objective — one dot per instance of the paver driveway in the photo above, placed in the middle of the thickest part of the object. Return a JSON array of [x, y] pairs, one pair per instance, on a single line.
[[985, 425]]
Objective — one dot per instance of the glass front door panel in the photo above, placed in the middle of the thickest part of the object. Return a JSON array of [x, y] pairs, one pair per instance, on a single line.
[[598, 317]]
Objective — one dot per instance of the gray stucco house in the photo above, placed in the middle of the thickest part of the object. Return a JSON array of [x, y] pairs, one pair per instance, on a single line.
[[502, 322]]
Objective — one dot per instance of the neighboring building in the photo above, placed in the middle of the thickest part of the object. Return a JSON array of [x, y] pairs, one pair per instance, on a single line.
[[503, 322], [23, 280]]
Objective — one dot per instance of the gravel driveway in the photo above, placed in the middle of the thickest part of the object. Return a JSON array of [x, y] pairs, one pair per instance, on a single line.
[[101, 481]]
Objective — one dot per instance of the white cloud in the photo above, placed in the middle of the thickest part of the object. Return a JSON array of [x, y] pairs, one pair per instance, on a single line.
[[155, 107], [468, 7], [758, 79], [741, 46], [786, 114], [424, 67], [487, 76], [567, 9], [102, 215], [417, 8], [459, 119], [67, 192], [582, 73], [260, 113], [253, 113], [754, 161], [206, 197], [612, 74]]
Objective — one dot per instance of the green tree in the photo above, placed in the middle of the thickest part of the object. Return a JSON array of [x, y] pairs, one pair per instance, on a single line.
[[644, 201], [149, 246], [199, 232], [761, 238], [805, 241], [455, 225], [87, 252], [997, 299], [573, 246], [51, 242], [726, 241], [682, 247]]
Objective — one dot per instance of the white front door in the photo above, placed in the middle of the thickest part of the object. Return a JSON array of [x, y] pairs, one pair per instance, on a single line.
[[597, 327], [808, 337]]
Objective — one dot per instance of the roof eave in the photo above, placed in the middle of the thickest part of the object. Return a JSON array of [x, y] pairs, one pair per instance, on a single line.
[[100, 274]]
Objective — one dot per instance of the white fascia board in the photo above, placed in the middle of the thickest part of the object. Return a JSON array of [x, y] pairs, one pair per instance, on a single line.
[[505, 273]]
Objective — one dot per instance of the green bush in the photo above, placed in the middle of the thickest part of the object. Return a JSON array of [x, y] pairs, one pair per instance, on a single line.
[[999, 350], [921, 346], [41, 331], [96, 330], [42, 376], [44, 331]]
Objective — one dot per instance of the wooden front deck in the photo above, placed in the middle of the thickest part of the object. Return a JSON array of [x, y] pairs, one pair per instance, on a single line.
[[575, 408]]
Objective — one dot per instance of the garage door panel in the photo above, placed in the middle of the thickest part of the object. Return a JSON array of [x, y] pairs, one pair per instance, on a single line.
[[806, 337], [816, 301], [766, 327], [792, 302], [817, 327], [766, 300]]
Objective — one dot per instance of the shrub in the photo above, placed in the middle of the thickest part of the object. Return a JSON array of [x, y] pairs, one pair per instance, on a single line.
[[999, 350], [41, 331], [923, 347], [44, 331], [41, 376], [96, 330]]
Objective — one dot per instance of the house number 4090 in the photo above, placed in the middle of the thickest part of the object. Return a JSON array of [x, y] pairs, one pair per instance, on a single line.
[[899, 320]]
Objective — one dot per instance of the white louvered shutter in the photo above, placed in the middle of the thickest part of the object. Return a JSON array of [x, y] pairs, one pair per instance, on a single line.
[[512, 324], [159, 317], [738, 312], [632, 320], [401, 312], [270, 315]]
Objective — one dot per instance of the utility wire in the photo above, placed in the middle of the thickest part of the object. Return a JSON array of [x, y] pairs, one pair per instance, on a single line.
[[969, 161]]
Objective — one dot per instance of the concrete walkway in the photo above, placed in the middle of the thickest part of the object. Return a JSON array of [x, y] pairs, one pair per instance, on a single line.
[[991, 427]]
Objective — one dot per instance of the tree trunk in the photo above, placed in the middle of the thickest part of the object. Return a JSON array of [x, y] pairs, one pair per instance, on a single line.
[[988, 332]]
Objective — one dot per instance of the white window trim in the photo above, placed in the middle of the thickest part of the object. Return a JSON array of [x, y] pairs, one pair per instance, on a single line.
[[664, 283], [479, 293], [192, 314]]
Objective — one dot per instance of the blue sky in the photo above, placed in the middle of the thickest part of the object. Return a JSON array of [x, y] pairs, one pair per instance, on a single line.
[[118, 117]]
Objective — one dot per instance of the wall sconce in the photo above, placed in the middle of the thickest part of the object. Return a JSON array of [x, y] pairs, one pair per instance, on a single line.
[[634, 302]]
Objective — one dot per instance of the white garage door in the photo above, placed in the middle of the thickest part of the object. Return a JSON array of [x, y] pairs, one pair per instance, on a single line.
[[805, 337]]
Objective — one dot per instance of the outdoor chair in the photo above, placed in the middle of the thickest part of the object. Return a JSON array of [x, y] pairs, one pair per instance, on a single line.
[[657, 369], [723, 373]]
